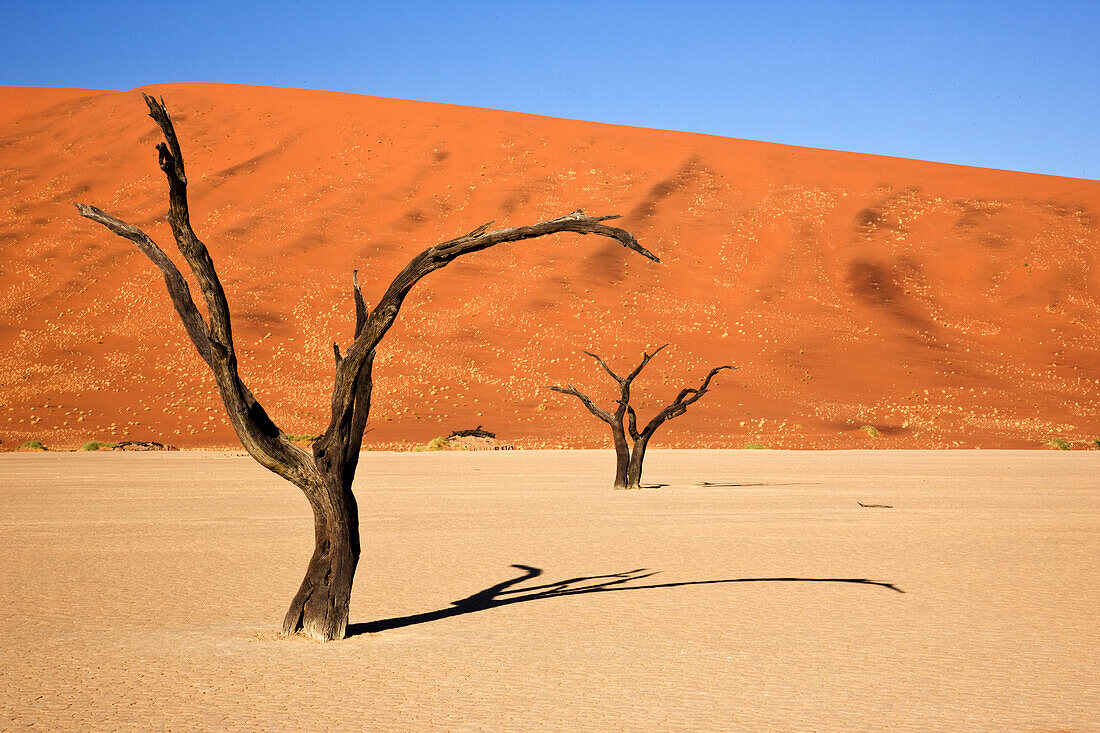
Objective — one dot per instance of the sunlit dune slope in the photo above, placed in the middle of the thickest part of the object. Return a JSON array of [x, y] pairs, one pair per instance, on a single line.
[[944, 306]]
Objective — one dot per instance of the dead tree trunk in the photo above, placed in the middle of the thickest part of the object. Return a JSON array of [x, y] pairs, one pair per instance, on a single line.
[[624, 421], [634, 468], [320, 608], [622, 454]]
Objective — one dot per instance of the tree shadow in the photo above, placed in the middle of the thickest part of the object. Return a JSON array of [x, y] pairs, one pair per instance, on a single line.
[[502, 594], [711, 485]]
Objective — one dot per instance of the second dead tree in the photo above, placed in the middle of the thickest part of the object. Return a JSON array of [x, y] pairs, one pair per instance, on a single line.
[[624, 421]]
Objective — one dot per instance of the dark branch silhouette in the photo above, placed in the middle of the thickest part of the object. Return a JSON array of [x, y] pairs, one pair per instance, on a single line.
[[503, 594], [320, 608], [628, 460]]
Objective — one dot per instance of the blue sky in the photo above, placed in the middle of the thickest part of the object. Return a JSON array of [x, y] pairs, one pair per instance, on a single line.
[[1005, 84]]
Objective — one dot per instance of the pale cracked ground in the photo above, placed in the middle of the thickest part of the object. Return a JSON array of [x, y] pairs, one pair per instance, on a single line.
[[142, 591]]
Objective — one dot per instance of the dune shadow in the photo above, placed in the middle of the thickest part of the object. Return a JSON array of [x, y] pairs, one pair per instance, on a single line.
[[503, 594]]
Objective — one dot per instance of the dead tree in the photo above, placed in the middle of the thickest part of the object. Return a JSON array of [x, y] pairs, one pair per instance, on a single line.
[[320, 608], [628, 460]]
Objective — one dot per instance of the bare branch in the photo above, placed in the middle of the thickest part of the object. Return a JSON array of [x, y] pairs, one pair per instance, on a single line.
[[606, 368], [178, 290], [632, 423], [159, 113], [364, 383], [360, 304], [360, 414], [442, 254], [384, 314], [213, 339], [595, 409], [684, 399], [687, 396], [190, 246], [625, 381], [577, 222], [481, 229], [645, 360]]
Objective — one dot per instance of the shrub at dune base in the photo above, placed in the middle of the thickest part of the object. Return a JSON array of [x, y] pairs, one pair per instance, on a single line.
[[439, 443], [97, 445]]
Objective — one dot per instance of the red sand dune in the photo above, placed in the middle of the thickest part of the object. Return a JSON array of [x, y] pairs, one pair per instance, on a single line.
[[946, 306]]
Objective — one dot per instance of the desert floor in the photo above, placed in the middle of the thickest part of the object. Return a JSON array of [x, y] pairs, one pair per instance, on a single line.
[[750, 591]]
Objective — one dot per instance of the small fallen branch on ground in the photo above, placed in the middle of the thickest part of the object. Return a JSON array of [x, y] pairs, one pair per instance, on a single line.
[[477, 432], [142, 445]]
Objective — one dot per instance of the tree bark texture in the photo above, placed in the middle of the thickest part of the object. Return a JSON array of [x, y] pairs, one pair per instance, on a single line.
[[624, 421], [325, 476]]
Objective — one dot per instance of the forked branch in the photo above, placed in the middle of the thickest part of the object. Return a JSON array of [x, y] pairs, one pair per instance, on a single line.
[[642, 365]]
